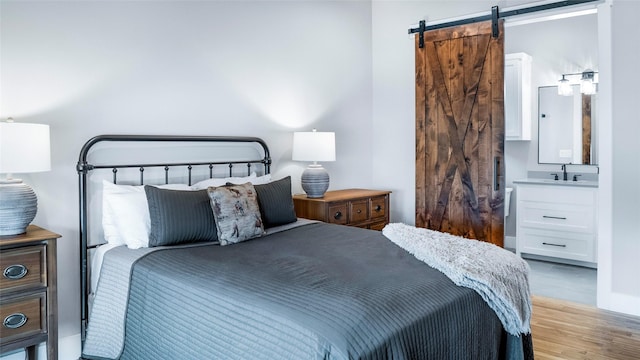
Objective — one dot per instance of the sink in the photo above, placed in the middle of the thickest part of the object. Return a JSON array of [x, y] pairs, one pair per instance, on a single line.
[[547, 180], [550, 181], [558, 182]]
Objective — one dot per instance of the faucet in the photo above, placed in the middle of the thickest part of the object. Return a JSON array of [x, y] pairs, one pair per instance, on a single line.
[[564, 172]]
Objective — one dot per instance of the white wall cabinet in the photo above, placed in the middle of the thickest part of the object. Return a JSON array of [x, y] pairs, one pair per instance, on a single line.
[[557, 221], [517, 96]]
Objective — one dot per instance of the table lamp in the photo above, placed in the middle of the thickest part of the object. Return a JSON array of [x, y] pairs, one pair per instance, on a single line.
[[314, 146], [24, 148]]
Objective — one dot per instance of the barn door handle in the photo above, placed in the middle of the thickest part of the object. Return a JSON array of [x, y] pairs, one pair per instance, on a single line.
[[496, 173]]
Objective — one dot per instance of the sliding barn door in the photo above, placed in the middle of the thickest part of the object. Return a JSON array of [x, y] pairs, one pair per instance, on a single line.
[[460, 132]]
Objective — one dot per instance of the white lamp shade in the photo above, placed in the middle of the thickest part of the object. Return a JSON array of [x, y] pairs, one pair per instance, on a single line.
[[314, 146], [564, 87], [24, 148], [588, 87]]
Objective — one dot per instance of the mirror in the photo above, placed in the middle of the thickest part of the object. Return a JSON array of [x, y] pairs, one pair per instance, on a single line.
[[566, 127]]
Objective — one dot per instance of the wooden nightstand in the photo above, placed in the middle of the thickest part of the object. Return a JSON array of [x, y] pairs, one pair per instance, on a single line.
[[354, 207], [28, 292]]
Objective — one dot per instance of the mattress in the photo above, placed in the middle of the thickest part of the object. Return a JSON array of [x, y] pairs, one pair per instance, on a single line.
[[318, 291]]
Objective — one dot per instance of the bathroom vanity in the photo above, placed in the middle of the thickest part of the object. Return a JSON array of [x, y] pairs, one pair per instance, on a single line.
[[556, 219]]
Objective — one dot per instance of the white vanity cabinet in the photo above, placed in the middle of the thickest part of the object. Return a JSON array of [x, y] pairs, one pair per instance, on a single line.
[[557, 221], [517, 96]]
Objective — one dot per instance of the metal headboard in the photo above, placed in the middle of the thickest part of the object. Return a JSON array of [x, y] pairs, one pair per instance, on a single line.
[[84, 168]]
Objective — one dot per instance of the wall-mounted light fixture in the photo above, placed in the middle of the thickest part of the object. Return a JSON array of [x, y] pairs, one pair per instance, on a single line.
[[587, 81], [564, 87]]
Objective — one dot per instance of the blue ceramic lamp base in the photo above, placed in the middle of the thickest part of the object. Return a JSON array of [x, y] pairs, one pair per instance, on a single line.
[[18, 206], [315, 181]]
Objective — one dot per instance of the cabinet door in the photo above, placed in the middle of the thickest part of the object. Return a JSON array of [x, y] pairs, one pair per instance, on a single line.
[[517, 96], [557, 221]]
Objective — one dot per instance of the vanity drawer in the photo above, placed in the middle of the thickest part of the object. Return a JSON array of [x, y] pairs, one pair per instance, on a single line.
[[558, 194], [560, 216], [23, 316], [579, 247], [23, 268]]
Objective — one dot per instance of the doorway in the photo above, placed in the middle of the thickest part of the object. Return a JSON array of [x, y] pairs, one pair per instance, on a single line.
[[559, 44]]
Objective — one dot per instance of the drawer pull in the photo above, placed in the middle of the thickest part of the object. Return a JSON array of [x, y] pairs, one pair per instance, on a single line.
[[554, 217], [337, 215], [15, 272], [359, 211], [15, 321], [550, 244], [378, 207]]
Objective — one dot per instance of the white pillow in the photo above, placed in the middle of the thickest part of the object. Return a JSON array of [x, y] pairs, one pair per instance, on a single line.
[[125, 213], [261, 180], [215, 182]]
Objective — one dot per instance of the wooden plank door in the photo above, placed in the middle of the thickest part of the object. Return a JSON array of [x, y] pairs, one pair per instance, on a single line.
[[460, 132]]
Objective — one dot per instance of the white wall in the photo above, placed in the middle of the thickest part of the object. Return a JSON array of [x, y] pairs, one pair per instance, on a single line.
[[626, 165], [618, 284], [394, 118], [180, 67]]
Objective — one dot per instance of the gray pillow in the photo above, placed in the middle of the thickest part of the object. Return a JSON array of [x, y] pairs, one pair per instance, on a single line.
[[236, 212], [179, 216], [276, 202]]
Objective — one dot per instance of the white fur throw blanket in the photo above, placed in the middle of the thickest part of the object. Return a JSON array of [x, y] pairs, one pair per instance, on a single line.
[[499, 276]]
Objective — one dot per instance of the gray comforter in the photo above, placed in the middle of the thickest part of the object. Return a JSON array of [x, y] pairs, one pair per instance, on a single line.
[[314, 292]]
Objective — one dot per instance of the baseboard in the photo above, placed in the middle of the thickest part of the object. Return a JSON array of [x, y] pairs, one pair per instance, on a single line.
[[559, 260], [68, 348], [624, 303], [510, 242]]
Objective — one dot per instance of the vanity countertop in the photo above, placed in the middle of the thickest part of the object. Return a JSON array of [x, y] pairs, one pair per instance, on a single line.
[[539, 181]]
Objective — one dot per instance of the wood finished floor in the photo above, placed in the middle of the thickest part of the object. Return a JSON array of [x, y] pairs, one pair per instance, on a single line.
[[567, 330]]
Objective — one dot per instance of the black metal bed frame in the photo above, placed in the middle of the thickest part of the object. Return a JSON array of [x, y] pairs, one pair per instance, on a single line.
[[84, 168]]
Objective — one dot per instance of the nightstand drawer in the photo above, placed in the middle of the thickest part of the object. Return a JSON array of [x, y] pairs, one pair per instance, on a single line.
[[23, 316], [23, 268], [28, 292], [358, 211], [338, 214], [378, 226], [378, 207], [363, 208]]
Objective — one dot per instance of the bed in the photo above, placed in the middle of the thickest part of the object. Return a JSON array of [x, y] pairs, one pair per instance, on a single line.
[[293, 289]]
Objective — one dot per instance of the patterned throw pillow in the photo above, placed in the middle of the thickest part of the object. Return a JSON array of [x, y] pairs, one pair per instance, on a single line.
[[235, 209]]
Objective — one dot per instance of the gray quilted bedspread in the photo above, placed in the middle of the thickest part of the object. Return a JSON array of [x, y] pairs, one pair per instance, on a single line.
[[314, 292]]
